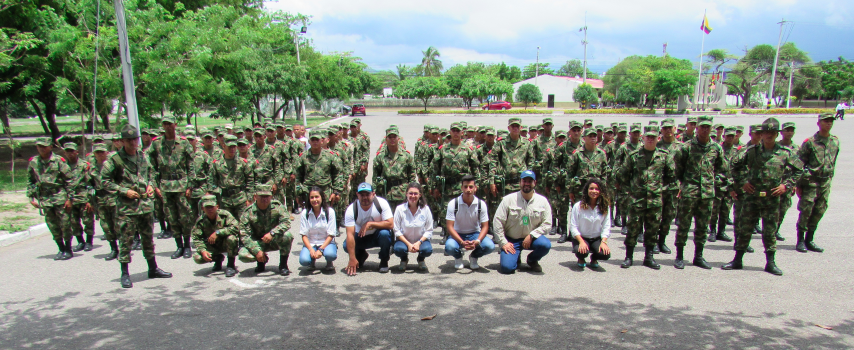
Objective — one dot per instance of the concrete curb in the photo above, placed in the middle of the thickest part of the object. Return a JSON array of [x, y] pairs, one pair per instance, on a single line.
[[33, 231]]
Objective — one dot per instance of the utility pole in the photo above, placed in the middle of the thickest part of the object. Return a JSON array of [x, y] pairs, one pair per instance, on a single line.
[[791, 77], [95, 75], [584, 75], [127, 69], [301, 102], [537, 68], [774, 68], [700, 69], [665, 50]]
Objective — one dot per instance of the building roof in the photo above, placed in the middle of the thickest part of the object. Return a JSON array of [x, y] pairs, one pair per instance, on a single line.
[[596, 83]]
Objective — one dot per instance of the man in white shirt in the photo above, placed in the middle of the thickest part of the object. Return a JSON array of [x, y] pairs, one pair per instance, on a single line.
[[522, 221], [468, 224], [368, 221], [840, 110]]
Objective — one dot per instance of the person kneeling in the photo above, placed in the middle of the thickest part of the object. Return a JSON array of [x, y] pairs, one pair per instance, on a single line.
[[318, 231], [413, 228], [368, 222], [264, 228], [522, 221], [215, 233], [468, 225], [590, 225]]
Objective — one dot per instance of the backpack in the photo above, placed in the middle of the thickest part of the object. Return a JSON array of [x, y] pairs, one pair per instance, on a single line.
[[356, 212], [457, 206]]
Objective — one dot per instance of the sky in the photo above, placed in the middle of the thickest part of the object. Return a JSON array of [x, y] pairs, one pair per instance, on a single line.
[[386, 33]]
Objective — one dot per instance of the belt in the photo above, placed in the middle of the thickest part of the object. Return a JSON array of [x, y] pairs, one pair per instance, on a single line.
[[394, 183], [228, 192], [513, 179]]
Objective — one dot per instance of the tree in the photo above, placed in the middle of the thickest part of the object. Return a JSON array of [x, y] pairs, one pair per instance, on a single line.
[[672, 83], [458, 74], [507, 73], [608, 97], [531, 70], [638, 72], [529, 93], [628, 95], [585, 94], [836, 76], [423, 88], [430, 65], [403, 72], [575, 68]]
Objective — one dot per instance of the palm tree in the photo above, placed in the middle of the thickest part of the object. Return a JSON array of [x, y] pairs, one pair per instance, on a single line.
[[403, 71], [430, 64]]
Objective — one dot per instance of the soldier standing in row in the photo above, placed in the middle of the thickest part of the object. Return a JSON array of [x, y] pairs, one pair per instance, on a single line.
[[668, 142], [588, 162], [216, 232], [394, 170], [321, 168], [818, 154], [128, 172], [264, 228], [105, 201], [235, 178], [451, 162], [787, 133], [50, 189], [82, 210], [362, 144], [199, 181], [511, 156], [723, 204]]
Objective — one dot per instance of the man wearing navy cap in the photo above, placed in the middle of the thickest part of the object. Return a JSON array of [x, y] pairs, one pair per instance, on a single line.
[[368, 222], [521, 222]]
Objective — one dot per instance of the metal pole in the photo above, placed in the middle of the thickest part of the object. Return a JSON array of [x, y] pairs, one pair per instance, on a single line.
[[127, 69], [791, 76], [700, 69], [774, 68], [95, 77], [584, 73]]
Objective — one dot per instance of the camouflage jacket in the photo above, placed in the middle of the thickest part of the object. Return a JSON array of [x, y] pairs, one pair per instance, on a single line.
[[268, 167], [322, 170], [585, 165], [699, 167], [539, 147], [818, 154], [345, 151], [199, 180], [80, 182], [511, 158], [255, 223], [235, 178], [49, 181], [424, 160], [225, 225], [484, 158], [214, 152], [121, 172], [452, 163], [766, 169], [103, 197], [671, 148], [172, 163], [393, 173], [644, 179]]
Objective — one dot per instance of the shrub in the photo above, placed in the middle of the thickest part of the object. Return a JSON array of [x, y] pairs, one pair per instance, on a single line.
[[609, 111], [787, 111], [517, 111], [681, 111]]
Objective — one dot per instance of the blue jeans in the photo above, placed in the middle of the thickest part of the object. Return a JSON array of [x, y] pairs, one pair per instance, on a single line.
[[402, 253], [510, 262], [330, 253], [452, 247], [380, 238]]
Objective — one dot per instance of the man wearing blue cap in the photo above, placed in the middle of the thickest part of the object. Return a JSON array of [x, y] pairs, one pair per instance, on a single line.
[[521, 222], [368, 222]]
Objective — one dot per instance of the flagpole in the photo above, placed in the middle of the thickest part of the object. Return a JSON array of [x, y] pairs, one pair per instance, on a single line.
[[700, 70]]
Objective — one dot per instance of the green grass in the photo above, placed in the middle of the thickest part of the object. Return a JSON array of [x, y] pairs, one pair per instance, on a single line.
[[6, 180], [473, 111]]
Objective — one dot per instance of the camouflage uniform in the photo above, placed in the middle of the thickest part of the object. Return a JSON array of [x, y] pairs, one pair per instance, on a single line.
[[722, 204], [227, 231], [362, 150], [199, 180], [450, 163], [322, 170], [255, 223], [50, 184], [509, 159], [172, 162], [81, 186], [393, 172], [786, 198], [105, 205], [668, 196], [584, 165], [343, 149], [623, 199], [818, 154]]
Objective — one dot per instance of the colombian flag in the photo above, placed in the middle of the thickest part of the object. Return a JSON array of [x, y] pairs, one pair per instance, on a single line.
[[705, 26]]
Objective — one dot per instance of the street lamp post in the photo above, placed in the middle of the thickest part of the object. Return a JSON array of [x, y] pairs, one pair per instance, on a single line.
[[301, 103]]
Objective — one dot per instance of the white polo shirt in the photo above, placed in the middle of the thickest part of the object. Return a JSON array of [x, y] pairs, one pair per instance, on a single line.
[[413, 226], [366, 216], [317, 228], [466, 220]]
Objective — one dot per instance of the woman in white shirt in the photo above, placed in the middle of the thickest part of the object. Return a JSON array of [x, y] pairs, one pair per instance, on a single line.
[[318, 230], [413, 227], [590, 225]]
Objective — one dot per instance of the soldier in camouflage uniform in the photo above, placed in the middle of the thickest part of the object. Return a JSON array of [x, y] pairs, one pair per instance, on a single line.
[[584, 164], [294, 149], [787, 133], [556, 189], [234, 177], [699, 164], [818, 154], [451, 162], [105, 201], [199, 179], [670, 201], [128, 172], [623, 198], [611, 148], [539, 146], [343, 150], [82, 210], [394, 170], [642, 175], [159, 209], [50, 189], [484, 158], [362, 144], [264, 227], [723, 202], [321, 168], [171, 157], [216, 232], [561, 158], [765, 172], [510, 157], [755, 139]]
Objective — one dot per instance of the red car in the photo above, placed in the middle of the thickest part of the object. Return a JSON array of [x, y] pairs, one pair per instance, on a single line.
[[358, 109], [502, 105]]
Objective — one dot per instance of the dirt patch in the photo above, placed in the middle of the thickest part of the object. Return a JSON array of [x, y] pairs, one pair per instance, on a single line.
[[16, 213]]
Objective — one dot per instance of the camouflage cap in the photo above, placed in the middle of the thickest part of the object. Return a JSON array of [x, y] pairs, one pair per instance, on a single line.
[[145, 132], [548, 121], [490, 131], [636, 127], [650, 130], [560, 133], [205, 132], [787, 125], [208, 200], [771, 124], [514, 120], [264, 190], [426, 127], [755, 127], [434, 129], [220, 133], [316, 133], [391, 131], [524, 128], [241, 141], [622, 124], [729, 130], [480, 129], [574, 124], [826, 116], [168, 119], [609, 130], [588, 121], [680, 127], [353, 123], [652, 122], [115, 137], [692, 120], [290, 127], [705, 120], [230, 140], [600, 128], [130, 132], [43, 141], [331, 130], [443, 131], [668, 122], [70, 146], [464, 123], [541, 127], [456, 125], [100, 148], [270, 127], [357, 121], [190, 136], [739, 128], [248, 129], [258, 131], [589, 132], [278, 126], [718, 126], [614, 124], [229, 126], [622, 128], [97, 138], [502, 133]]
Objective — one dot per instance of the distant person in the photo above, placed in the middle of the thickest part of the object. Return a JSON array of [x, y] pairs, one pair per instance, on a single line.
[[413, 227], [840, 110]]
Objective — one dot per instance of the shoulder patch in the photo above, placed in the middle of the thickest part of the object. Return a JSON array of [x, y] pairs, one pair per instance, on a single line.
[[206, 152], [300, 155], [88, 154], [380, 150], [247, 161], [471, 148], [440, 147], [61, 158], [575, 150], [257, 162], [548, 149], [560, 144], [807, 140], [183, 137], [31, 158], [407, 151], [610, 142]]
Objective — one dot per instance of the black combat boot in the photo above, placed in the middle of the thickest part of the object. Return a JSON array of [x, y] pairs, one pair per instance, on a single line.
[[283, 266], [68, 254], [801, 247], [137, 244], [61, 245], [156, 272], [661, 246], [188, 250], [770, 265], [640, 237], [712, 237], [125, 279], [179, 242], [260, 267], [649, 259], [88, 246], [735, 264], [230, 269], [562, 238], [114, 251], [679, 263], [698, 258], [721, 235], [810, 244], [777, 235], [81, 243], [627, 263], [217, 258]]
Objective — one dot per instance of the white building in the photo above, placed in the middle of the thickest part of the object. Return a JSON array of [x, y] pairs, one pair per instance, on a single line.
[[557, 91]]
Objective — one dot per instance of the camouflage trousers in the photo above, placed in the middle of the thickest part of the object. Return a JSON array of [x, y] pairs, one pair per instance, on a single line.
[[646, 221], [699, 209], [107, 220], [624, 200], [448, 194], [159, 213], [290, 196], [79, 215], [176, 209], [785, 204], [669, 204], [721, 206], [57, 219], [354, 183], [251, 247], [753, 209], [195, 210], [559, 203], [130, 225], [235, 210], [224, 245], [812, 205]]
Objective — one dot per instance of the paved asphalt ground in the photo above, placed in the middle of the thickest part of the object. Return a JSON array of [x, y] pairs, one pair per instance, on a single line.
[[79, 303]]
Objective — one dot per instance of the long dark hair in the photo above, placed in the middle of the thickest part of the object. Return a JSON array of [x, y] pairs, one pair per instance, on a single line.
[[324, 206], [421, 200], [603, 203]]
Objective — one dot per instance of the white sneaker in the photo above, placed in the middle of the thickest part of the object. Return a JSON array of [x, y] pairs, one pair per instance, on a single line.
[[402, 266], [458, 264], [473, 263], [384, 269]]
